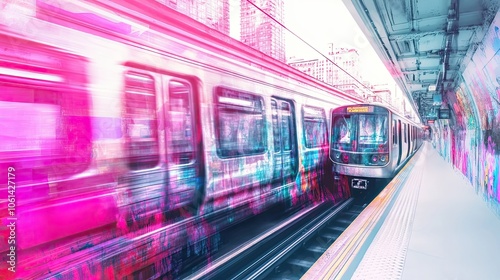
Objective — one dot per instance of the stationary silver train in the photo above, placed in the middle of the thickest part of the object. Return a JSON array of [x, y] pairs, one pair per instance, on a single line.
[[370, 143]]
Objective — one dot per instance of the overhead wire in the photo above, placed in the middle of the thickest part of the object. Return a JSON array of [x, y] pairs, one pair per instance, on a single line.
[[305, 42]]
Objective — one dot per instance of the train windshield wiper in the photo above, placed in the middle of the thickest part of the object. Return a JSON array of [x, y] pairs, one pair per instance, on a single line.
[[348, 127]]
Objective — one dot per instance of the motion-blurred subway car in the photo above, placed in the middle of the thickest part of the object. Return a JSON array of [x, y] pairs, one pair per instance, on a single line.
[[114, 114], [370, 143]]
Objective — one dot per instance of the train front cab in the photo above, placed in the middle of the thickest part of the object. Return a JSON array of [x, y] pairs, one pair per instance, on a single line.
[[360, 149]]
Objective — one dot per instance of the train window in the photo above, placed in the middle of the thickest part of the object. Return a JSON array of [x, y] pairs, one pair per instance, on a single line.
[[276, 132], [404, 132], [342, 131], [181, 148], [45, 125], [140, 121], [394, 132], [372, 129], [286, 126], [314, 122], [400, 140], [407, 131], [285, 141], [240, 123]]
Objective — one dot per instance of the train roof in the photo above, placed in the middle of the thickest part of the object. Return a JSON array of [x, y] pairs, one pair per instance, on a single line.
[[381, 105], [159, 17]]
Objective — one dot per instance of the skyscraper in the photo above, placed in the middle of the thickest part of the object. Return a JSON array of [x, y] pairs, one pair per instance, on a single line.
[[261, 32], [212, 13], [324, 70]]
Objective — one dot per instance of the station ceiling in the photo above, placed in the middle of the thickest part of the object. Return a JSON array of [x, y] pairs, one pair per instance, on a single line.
[[425, 44]]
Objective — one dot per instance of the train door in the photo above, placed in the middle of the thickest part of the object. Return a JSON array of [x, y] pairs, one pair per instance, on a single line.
[[415, 139], [315, 148], [163, 156], [410, 140], [394, 150], [400, 144], [285, 141], [183, 142], [408, 128]]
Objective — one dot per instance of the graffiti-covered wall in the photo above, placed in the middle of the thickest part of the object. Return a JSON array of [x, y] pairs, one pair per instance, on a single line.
[[471, 139]]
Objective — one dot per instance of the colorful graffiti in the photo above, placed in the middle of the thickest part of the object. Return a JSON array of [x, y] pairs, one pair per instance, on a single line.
[[472, 143], [464, 139]]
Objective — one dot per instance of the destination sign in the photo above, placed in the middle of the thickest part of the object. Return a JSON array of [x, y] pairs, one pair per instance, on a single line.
[[360, 109]]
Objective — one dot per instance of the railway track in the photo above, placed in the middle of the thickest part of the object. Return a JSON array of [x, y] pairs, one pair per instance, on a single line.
[[287, 251]]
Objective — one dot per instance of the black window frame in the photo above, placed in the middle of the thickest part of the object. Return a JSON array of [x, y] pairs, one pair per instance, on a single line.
[[139, 162], [405, 132], [257, 109], [325, 125], [182, 157], [394, 132]]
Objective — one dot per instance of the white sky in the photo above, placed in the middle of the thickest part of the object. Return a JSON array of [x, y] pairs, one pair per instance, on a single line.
[[320, 22]]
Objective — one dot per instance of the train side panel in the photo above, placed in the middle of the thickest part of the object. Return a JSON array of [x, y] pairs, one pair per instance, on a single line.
[[133, 132]]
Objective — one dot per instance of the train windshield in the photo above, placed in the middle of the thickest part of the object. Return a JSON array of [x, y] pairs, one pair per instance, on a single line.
[[372, 129], [360, 132], [343, 132]]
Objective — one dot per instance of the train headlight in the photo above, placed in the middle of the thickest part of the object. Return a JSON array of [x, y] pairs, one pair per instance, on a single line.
[[383, 158], [345, 158], [337, 155], [374, 158]]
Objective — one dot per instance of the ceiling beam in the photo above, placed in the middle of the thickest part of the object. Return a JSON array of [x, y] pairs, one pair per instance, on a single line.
[[418, 35], [421, 69], [428, 69], [430, 54], [418, 82]]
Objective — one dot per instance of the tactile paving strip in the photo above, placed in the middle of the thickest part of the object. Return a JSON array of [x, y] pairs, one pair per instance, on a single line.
[[386, 256]]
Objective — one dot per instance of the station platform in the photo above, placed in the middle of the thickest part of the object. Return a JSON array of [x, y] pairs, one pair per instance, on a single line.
[[428, 223]]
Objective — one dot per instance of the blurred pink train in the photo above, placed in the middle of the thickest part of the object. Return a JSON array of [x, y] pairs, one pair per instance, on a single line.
[[116, 115]]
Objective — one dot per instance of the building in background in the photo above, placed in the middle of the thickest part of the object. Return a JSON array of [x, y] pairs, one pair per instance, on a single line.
[[381, 93], [347, 59], [308, 66], [325, 70], [212, 13], [261, 32]]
